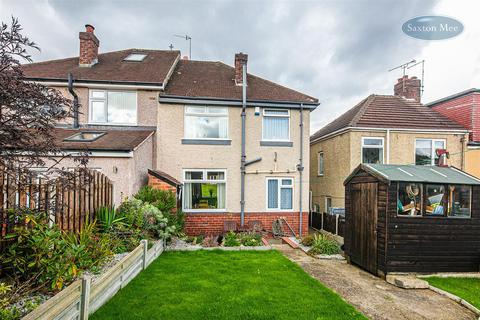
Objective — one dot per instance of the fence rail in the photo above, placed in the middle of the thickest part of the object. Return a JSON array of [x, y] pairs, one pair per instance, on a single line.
[[333, 223], [84, 296], [68, 203]]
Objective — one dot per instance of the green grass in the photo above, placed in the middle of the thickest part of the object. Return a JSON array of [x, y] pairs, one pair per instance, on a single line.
[[225, 285], [465, 288]]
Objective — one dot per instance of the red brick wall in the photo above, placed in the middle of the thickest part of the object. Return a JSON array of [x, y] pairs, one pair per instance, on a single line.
[[156, 183], [464, 110], [212, 223], [88, 48]]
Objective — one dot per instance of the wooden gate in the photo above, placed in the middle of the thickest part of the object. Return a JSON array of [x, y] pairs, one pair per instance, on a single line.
[[363, 243]]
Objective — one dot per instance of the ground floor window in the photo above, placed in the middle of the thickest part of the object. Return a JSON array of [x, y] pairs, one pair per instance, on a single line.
[[204, 190], [328, 204], [279, 193]]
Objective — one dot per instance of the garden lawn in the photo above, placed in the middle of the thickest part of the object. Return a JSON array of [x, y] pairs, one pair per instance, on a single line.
[[225, 285], [466, 288]]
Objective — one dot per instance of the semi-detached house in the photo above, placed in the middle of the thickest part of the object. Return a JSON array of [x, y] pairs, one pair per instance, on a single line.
[[149, 111]]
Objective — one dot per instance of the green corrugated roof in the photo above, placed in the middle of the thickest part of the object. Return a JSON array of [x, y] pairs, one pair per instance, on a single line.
[[432, 174]]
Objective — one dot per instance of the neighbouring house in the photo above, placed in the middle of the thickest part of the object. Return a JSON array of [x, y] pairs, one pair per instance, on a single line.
[[147, 115], [383, 129], [464, 108], [405, 218]]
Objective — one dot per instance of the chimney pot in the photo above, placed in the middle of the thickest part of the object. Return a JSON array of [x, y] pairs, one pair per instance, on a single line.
[[408, 88], [185, 58], [240, 60], [89, 44]]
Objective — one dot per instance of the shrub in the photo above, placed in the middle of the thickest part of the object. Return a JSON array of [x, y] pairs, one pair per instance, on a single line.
[[324, 245], [155, 222], [251, 239], [231, 240], [131, 210], [210, 241], [164, 200], [195, 239], [307, 240], [107, 218]]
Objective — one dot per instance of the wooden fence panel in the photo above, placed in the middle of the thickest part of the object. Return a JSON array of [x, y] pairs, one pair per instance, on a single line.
[[67, 205]]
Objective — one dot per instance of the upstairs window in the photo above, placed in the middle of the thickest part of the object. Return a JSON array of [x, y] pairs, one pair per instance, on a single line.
[[279, 194], [113, 107], [276, 125], [425, 151], [203, 122], [320, 164], [372, 150]]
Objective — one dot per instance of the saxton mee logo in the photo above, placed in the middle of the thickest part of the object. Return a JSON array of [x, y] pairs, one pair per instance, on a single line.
[[432, 27]]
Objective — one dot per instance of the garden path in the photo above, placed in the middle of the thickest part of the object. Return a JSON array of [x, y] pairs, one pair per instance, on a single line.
[[374, 297]]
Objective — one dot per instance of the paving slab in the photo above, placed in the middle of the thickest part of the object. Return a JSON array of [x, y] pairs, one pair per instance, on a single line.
[[374, 297]]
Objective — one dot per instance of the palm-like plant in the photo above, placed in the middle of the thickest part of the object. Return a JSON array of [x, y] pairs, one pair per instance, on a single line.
[[107, 218]]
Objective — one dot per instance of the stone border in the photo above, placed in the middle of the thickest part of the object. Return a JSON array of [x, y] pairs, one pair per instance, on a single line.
[[455, 298], [318, 256], [239, 248]]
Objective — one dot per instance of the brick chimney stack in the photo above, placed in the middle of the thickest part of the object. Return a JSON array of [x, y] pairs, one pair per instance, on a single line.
[[89, 44], [240, 59], [408, 88]]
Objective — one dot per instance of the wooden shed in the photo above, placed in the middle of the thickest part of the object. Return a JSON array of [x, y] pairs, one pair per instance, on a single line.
[[405, 218]]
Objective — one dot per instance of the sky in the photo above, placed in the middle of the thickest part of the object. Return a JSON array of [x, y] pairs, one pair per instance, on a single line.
[[337, 51]]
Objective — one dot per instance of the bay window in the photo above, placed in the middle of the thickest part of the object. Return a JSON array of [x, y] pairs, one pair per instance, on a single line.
[[279, 194], [113, 107], [372, 150], [276, 125], [204, 190], [425, 151], [204, 122]]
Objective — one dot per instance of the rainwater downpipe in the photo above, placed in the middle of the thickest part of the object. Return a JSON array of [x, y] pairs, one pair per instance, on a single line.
[[75, 101], [243, 158], [388, 146], [300, 170]]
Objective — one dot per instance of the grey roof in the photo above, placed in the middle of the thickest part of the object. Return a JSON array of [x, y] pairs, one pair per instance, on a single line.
[[413, 173]]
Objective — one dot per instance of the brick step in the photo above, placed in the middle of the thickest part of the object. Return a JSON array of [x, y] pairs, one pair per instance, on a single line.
[[291, 243]]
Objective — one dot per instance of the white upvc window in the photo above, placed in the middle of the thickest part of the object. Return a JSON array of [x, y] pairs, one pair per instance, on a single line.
[[279, 194], [276, 125], [206, 122], [113, 107], [425, 150], [204, 190], [321, 164], [372, 150]]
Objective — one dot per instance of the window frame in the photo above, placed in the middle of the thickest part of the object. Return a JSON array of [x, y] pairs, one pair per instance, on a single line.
[[91, 99], [372, 147], [205, 114], [276, 116], [422, 195], [205, 180], [320, 155], [280, 186], [326, 204], [432, 154]]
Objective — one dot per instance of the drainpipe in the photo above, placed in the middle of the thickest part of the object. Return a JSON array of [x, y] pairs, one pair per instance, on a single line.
[[300, 170], [388, 146], [75, 101], [243, 158]]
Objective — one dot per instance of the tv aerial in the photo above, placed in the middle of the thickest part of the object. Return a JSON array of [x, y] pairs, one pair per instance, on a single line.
[[189, 39], [409, 65]]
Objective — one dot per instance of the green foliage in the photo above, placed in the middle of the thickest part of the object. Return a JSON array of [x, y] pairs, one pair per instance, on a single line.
[[44, 255], [195, 239], [324, 245], [164, 200], [231, 240], [250, 239], [465, 288], [155, 222], [107, 218], [210, 241], [307, 240], [177, 220], [131, 210]]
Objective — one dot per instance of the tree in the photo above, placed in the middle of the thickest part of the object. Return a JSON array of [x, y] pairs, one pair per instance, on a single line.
[[28, 114]]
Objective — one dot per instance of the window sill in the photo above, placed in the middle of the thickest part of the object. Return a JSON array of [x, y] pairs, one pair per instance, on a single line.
[[276, 144], [212, 211], [215, 142], [320, 175], [113, 124]]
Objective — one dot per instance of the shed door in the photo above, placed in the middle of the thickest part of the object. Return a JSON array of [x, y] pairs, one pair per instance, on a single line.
[[364, 226]]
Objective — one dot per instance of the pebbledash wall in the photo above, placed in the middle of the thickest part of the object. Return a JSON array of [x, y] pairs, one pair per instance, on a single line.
[[174, 157]]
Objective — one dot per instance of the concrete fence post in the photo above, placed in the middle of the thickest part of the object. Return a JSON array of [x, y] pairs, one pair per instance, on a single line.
[[321, 214], [336, 224], [145, 249], [85, 297]]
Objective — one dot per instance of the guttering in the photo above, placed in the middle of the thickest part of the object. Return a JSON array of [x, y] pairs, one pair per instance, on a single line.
[[300, 170], [75, 101], [343, 130], [234, 102], [98, 84]]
